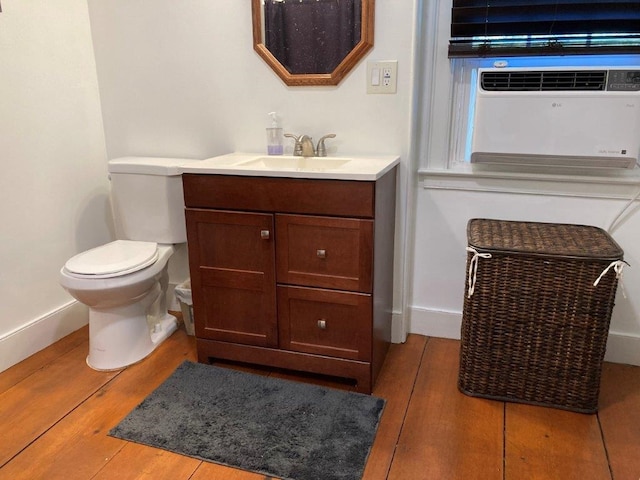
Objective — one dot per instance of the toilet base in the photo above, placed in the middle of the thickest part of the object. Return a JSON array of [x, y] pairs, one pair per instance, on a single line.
[[168, 326], [122, 336]]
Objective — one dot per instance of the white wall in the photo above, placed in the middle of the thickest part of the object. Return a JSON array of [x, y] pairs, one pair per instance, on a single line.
[[439, 274], [443, 201], [53, 186], [182, 79], [176, 79]]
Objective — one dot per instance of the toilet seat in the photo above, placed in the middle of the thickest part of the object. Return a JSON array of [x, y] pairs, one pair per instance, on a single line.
[[114, 259]]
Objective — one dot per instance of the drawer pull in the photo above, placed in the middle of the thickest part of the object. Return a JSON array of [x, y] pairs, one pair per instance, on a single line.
[[321, 253], [265, 234], [322, 324]]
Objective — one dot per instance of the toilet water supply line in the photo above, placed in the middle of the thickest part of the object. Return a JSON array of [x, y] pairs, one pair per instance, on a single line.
[[617, 265], [624, 209]]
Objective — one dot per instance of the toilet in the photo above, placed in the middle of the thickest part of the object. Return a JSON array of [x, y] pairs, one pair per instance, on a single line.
[[124, 283]]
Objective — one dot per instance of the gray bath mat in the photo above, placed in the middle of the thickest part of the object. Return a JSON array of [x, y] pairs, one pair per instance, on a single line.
[[267, 425]]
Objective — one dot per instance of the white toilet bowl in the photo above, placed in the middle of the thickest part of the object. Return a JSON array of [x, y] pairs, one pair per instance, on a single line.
[[124, 284]]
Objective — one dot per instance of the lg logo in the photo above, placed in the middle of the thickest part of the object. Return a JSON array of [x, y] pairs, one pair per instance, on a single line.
[[556, 105]]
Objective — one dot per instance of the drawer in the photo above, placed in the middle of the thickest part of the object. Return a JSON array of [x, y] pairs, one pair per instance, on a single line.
[[343, 198], [325, 322], [324, 252]]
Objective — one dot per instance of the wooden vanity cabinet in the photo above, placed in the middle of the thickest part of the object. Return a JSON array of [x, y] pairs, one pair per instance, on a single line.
[[292, 273]]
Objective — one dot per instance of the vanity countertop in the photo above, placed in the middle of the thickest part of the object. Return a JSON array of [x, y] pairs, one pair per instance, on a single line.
[[361, 167]]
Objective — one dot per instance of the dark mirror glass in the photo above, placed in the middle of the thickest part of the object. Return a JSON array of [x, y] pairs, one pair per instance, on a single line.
[[311, 36]]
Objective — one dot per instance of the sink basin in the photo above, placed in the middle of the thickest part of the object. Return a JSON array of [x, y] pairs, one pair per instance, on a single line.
[[295, 164]]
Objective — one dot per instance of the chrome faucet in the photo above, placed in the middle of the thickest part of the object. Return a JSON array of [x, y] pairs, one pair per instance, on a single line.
[[304, 145]]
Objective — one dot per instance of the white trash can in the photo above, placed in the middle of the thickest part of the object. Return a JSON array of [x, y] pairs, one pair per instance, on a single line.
[[183, 294]]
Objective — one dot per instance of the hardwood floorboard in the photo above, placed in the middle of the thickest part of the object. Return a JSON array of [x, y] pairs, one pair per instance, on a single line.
[[395, 384], [448, 435], [78, 446], [551, 444], [32, 406], [138, 462], [620, 419], [211, 471], [58, 413], [22, 370]]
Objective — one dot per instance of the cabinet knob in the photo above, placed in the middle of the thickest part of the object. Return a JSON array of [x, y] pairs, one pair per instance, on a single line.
[[265, 234], [322, 324], [321, 253]]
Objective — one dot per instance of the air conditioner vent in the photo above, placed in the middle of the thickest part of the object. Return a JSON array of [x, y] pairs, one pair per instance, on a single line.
[[530, 80]]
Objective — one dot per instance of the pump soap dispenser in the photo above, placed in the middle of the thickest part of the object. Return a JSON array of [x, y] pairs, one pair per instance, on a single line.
[[274, 136]]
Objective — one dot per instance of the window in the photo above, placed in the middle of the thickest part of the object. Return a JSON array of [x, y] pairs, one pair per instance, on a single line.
[[481, 28], [451, 62]]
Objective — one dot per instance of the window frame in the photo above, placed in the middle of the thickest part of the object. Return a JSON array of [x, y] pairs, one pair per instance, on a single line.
[[442, 93]]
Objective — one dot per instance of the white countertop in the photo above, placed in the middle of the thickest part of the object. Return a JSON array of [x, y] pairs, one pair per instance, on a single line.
[[348, 167]]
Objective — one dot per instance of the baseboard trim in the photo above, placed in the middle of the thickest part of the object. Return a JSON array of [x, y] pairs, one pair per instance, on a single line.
[[621, 348], [398, 332], [41, 332], [435, 323]]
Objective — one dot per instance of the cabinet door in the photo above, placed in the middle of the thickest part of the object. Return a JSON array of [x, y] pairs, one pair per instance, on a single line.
[[325, 322], [232, 263], [325, 252]]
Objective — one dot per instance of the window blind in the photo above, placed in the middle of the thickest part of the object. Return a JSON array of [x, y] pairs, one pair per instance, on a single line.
[[481, 28]]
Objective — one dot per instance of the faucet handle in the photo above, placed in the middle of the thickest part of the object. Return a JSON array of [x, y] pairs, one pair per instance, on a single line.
[[297, 148], [321, 151]]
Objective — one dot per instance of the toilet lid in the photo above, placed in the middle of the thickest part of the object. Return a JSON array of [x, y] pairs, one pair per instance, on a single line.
[[114, 259]]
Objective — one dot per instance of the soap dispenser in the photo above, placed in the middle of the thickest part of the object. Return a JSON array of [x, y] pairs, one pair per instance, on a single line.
[[274, 136]]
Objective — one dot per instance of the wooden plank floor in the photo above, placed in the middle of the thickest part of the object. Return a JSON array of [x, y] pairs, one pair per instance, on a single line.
[[55, 413]]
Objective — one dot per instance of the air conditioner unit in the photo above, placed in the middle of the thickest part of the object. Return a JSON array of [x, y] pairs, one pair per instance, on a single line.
[[584, 117]]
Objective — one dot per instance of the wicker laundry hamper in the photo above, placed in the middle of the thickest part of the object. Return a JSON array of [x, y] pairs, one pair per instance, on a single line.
[[534, 326]]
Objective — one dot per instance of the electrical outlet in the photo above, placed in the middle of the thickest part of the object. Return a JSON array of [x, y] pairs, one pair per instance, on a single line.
[[382, 76], [386, 76]]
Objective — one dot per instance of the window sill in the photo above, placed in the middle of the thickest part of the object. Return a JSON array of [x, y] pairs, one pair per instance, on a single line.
[[616, 184]]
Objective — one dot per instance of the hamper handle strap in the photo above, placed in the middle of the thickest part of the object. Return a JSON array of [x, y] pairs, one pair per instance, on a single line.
[[473, 269], [617, 265]]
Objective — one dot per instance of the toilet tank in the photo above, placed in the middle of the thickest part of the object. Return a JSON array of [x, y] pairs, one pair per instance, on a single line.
[[147, 199]]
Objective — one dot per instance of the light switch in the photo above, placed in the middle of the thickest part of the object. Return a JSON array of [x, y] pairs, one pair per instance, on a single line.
[[375, 77], [381, 76]]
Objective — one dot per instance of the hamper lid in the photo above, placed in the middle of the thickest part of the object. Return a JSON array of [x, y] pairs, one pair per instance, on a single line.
[[553, 239]]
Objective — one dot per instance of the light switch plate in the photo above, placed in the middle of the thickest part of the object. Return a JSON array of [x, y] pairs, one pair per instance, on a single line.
[[382, 76]]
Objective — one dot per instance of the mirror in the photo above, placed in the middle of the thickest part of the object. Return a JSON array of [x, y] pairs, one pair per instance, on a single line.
[[312, 42]]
